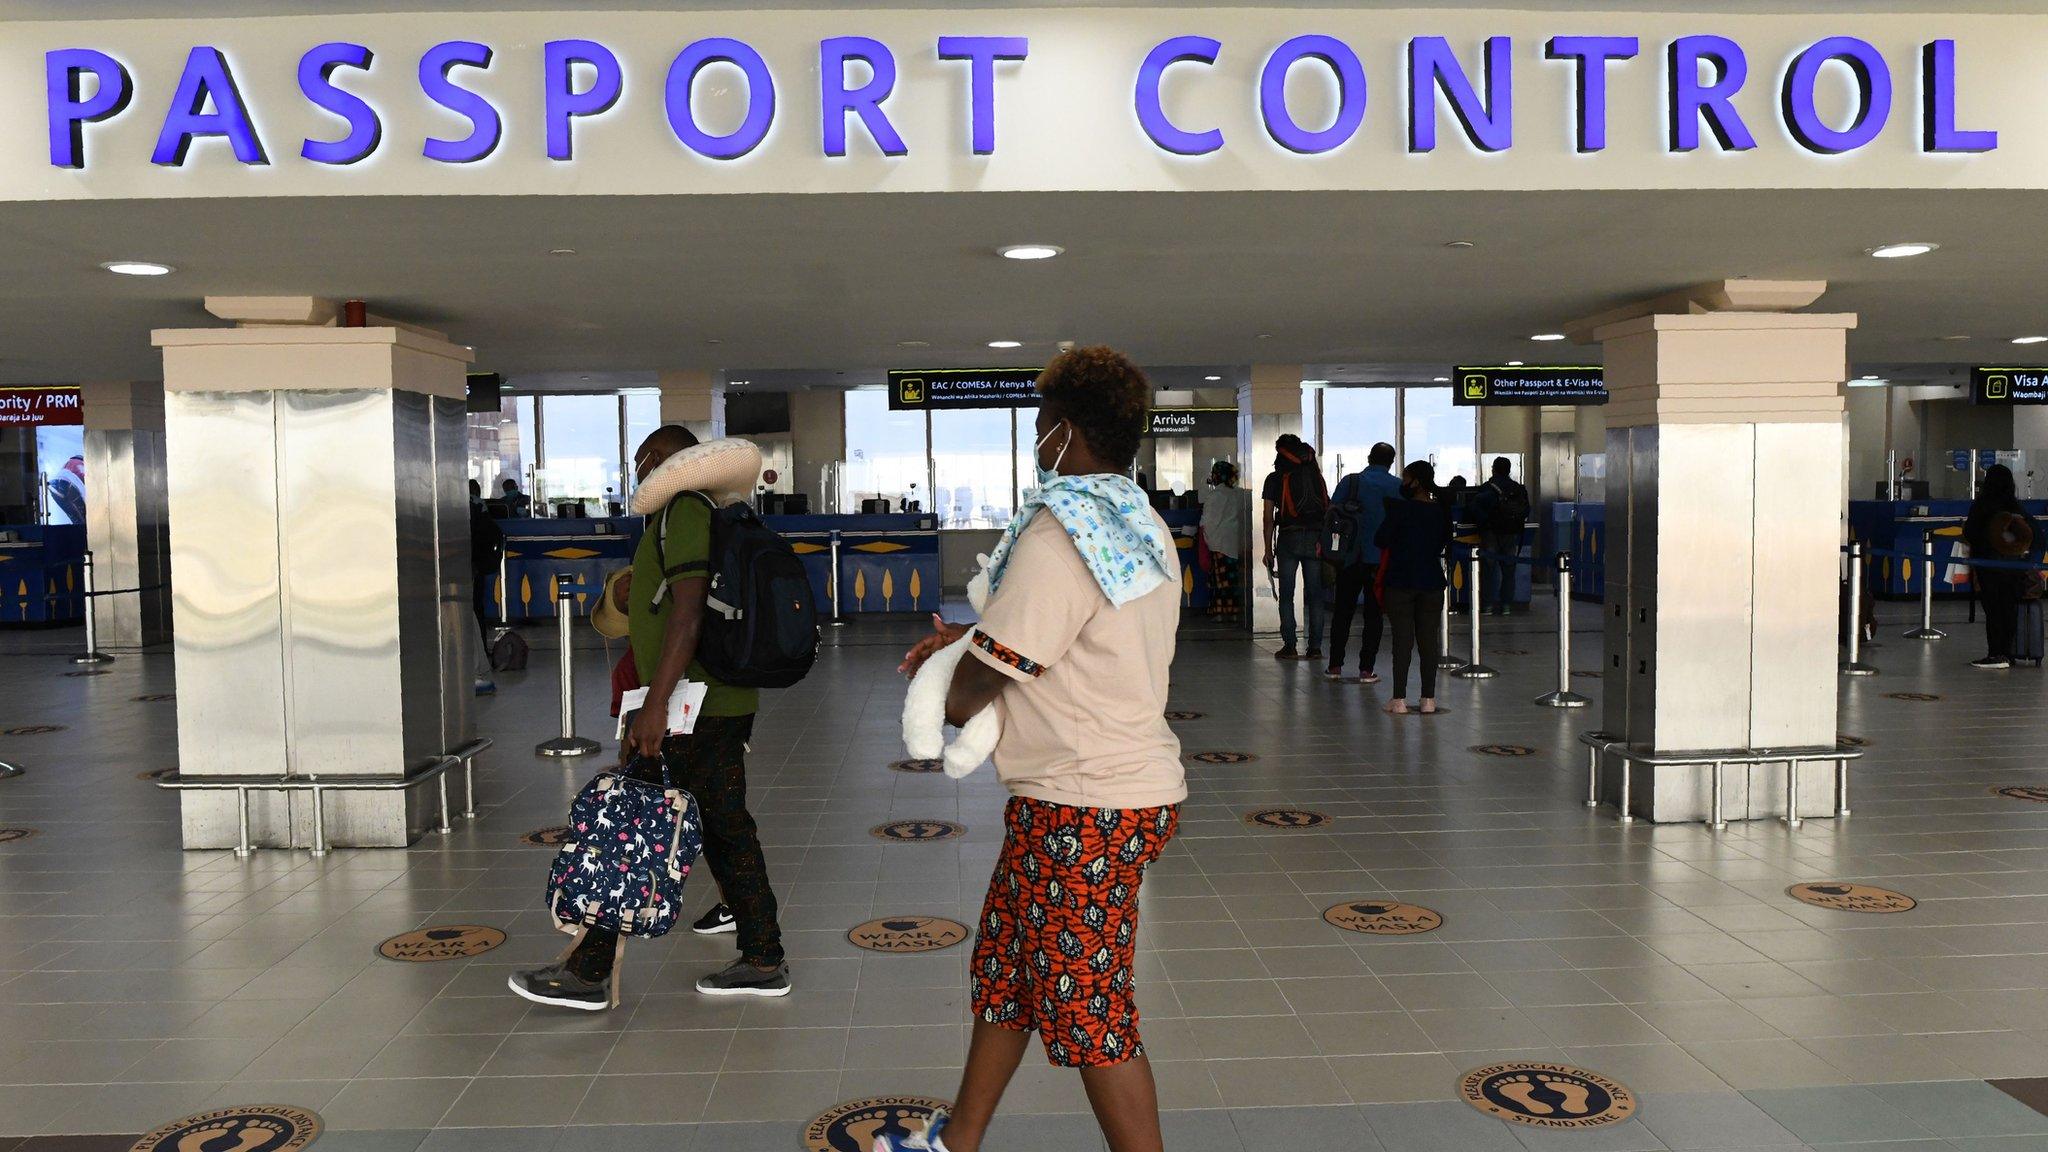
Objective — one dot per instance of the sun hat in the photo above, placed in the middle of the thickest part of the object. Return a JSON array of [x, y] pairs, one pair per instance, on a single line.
[[605, 616]]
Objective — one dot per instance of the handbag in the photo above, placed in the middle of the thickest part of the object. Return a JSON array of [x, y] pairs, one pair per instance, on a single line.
[[634, 844]]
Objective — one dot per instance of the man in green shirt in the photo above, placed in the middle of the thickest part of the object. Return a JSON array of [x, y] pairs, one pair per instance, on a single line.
[[665, 605]]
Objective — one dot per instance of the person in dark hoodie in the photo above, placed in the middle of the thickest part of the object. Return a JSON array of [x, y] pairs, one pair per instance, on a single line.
[[1412, 540], [1998, 528], [1296, 498]]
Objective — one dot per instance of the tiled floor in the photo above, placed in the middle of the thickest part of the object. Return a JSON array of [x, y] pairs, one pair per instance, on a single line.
[[139, 983]]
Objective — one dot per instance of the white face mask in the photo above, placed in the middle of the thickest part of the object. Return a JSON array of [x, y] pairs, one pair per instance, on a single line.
[[1048, 475]]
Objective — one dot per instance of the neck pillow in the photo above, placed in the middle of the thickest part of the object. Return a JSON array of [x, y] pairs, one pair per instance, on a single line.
[[723, 469]]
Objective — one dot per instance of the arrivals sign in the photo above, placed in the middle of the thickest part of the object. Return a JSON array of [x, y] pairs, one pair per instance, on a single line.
[[2009, 385], [1521, 385], [926, 391], [1214, 423], [21, 407]]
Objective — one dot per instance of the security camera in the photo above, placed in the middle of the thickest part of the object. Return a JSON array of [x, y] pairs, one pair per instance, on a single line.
[[1066, 345]]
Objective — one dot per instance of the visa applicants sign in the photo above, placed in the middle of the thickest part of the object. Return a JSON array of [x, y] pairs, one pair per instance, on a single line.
[[2005, 386], [1524, 385], [39, 407], [925, 391]]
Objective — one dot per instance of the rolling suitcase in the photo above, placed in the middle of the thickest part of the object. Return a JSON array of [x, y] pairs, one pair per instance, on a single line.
[[2026, 638]]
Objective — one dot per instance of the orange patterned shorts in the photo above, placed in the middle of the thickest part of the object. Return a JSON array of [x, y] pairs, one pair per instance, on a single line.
[[1060, 927]]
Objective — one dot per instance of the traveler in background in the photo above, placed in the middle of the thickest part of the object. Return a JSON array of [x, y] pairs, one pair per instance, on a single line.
[[486, 548], [1226, 530], [1500, 508], [1412, 541], [1075, 648], [516, 503], [1998, 528], [710, 762], [1357, 509], [1296, 500]]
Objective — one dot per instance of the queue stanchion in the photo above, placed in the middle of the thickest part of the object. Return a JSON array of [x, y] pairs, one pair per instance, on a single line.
[[1564, 697], [7, 771], [1854, 665], [1926, 630], [568, 743], [504, 596], [838, 620], [1445, 661], [1474, 670], [92, 654]]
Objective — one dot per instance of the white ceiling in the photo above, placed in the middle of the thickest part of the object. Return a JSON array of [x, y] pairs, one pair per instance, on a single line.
[[816, 285], [154, 9]]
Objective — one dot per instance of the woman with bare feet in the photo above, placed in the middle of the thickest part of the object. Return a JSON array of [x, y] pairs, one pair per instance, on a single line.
[[1412, 541]]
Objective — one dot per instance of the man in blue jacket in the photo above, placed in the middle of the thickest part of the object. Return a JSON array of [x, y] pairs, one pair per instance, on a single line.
[[1356, 510]]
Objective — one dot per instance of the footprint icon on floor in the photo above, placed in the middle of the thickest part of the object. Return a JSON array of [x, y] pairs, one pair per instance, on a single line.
[[1541, 1094], [1520, 1090]]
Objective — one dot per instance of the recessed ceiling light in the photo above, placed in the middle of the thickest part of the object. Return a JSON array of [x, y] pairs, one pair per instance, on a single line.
[[1459, 244], [1948, 338], [1514, 363], [1869, 382], [1871, 377], [1896, 251], [561, 251], [1547, 337], [137, 268], [1005, 344], [2030, 339], [1212, 379], [1030, 251], [1440, 379], [714, 340], [913, 343]]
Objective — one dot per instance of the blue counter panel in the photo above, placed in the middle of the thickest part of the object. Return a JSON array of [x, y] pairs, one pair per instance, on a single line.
[[1903, 526], [1194, 583], [1581, 529], [42, 574], [887, 563], [540, 555], [1468, 539]]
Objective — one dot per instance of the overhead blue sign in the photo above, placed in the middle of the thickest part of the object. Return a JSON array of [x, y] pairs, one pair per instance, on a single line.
[[581, 80]]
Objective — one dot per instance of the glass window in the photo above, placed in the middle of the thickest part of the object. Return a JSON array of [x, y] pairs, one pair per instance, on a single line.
[[1354, 419], [643, 416], [501, 445], [974, 467], [581, 450], [60, 459], [885, 450], [1442, 433], [1312, 416]]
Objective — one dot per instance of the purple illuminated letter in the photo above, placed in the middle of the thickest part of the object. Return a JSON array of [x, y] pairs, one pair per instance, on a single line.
[[682, 79], [1280, 124], [70, 110], [983, 52], [207, 79], [1152, 115], [1592, 54], [1873, 95], [1938, 131], [486, 126], [1692, 102], [564, 102], [1432, 66], [864, 101], [316, 81]]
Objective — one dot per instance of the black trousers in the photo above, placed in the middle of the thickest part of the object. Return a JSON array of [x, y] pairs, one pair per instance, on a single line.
[[1415, 614], [711, 765], [1999, 591], [1353, 581]]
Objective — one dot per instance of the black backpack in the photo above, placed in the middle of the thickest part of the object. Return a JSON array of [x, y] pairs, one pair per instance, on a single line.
[[1510, 507], [1304, 500], [761, 618]]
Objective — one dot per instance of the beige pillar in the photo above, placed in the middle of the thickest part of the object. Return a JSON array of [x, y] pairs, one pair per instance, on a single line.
[[817, 429], [319, 511], [1268, 407], [1725, 449], [127, 523], [694, 398], [1589, 438]]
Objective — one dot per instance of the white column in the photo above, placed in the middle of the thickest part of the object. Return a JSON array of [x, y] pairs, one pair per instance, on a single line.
[[1268, 407], [319, 512]]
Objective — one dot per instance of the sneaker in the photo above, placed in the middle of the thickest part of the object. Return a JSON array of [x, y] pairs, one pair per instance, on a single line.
[[1287, 653], [716, 922], [558, 986], [1991, 662], [924, 1141], [1333, 673], [1312, 654], [1368, 677], [742, 978]]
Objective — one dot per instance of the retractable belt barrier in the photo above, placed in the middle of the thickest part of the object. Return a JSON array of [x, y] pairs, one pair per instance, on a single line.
[[1926, 631], [568, 743]]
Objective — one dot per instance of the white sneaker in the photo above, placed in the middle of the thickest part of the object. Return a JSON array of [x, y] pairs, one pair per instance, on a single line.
[[923, 1141]]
